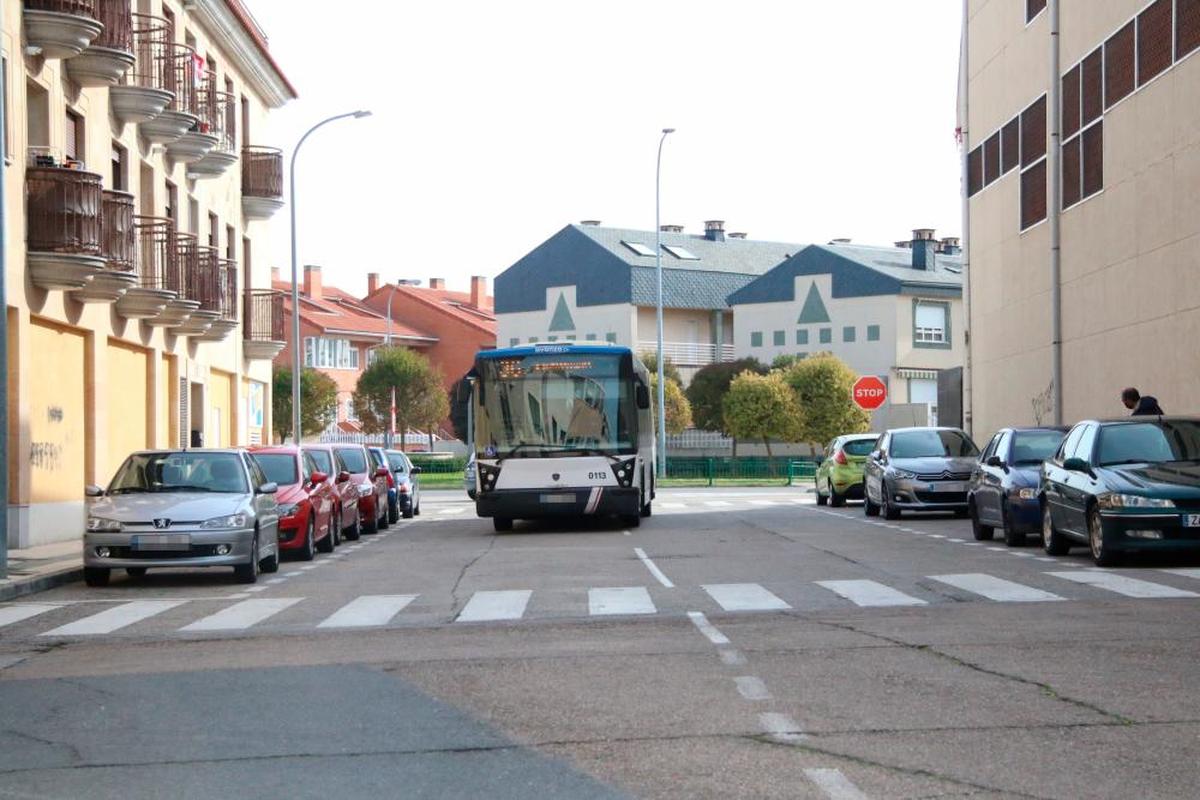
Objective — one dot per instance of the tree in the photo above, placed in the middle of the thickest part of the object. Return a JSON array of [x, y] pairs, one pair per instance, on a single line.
[[762, 407], [420, 396], [786, 360], [318, 401], [679, 410], [670, 371], [824, 385], [709, 386]]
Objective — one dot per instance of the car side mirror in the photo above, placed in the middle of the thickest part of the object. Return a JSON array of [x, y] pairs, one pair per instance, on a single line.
[[343, 476], [270, 487], [415, 470], [1077, 465], [642, 396], [318, 478], [92, 490], [995, 461], [381, 472]]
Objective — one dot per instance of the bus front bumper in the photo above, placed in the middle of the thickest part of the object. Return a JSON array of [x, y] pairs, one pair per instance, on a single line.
[[534, 503]]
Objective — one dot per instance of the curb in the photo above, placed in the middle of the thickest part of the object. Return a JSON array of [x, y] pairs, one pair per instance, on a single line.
[[13, 589]]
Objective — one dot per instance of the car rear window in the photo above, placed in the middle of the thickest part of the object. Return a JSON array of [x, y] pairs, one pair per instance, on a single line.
[[859, 447], [932, 444], [354, 458], [280, 468], [1034, 447], [323, 459], [397, 462]]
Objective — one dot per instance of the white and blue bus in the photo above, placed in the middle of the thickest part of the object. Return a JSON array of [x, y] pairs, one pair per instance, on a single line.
[[562, 430]]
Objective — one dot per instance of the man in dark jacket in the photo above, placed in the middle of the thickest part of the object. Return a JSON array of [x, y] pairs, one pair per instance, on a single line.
[[1140, 406]]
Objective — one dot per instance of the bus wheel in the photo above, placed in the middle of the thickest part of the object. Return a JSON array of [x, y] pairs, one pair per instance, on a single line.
[[502, 524], [631, 520]]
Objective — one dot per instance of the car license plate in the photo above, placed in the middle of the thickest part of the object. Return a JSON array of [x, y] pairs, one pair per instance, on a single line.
[[1191, 520], [164, 541], [956, 486], [558, 498]]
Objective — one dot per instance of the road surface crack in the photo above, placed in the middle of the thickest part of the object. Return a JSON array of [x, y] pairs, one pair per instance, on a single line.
[[463, 573]]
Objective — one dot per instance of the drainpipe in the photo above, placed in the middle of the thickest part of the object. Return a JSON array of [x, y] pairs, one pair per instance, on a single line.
[[964, 83], [1054, 212], [5, 444]]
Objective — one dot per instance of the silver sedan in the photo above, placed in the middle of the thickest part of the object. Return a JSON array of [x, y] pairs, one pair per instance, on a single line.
[[182, 508]]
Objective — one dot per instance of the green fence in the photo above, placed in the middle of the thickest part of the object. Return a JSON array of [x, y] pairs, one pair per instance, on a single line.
[[750, 470]]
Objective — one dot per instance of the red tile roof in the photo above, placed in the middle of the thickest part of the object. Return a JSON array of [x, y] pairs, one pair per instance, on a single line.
[[455, 304], [342, 313]]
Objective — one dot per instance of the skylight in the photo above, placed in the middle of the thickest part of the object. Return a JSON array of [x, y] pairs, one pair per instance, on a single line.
[[955, 270], [639, 248], [681, 252]]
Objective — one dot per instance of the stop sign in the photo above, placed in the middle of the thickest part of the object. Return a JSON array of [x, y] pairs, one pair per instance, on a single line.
[[869, 392]]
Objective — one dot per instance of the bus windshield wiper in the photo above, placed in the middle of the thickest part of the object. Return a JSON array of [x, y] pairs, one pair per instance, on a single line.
[[516, 448]]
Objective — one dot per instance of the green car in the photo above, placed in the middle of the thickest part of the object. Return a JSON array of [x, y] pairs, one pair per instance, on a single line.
[[840, 475]]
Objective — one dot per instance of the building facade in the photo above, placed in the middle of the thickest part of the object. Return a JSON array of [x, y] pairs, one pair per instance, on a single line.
[[1125, 147], [139, 304]]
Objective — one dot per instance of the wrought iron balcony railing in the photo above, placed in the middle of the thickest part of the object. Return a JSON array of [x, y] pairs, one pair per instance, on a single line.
[[117, 18], [180, 74], [76, 8], [151, 52], [63, 210], [118, 236], [263, 320], [262, 171]]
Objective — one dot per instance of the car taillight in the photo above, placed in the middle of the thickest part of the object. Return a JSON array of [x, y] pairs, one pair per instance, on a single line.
[[840, 457], [403, 488]]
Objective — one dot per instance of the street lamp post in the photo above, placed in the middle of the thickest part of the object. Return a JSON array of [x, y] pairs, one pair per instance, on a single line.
[[296, 363], [662, 397], [387, 342]]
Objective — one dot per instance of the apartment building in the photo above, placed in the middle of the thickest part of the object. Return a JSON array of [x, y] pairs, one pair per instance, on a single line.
[[1116, 172], [138, 197]]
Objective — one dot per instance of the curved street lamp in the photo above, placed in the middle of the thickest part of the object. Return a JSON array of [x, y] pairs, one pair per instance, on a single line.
[[295, 286], [662, 402]]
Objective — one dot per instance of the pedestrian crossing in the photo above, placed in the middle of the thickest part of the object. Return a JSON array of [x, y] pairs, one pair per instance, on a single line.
[[241, 612]]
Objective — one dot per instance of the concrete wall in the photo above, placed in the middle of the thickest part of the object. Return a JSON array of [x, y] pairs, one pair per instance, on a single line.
[[524, 327]]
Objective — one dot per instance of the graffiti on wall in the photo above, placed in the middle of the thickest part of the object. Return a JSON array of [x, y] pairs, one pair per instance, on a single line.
[[1043, 406], [45, 455]]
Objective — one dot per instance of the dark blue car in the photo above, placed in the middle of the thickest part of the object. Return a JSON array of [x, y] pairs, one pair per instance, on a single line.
[[1003, 492]]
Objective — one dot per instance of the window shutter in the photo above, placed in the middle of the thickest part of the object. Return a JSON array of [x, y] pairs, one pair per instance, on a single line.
[[1187, 27], [1033, 195], [1033, 132], [1071, 171], [1154, 40], [991, 159], [1010, 145], [1119, 65], [1033, 8], [975, 171], [69, 138], [1092, 80], [1070, 103], [1093, 159]]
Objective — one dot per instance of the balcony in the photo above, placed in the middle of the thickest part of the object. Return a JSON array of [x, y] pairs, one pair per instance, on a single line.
[[263, 336], [178, 66], [191, 98], [61, 28], [63, 229], [218, 286], [218, 117], [178, 254], [110, 55], [143, 95], [149, 298], [262, 181], [117, 244], [689, 354]]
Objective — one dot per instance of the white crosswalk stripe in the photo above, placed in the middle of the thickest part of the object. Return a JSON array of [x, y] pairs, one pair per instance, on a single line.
[[869, 594], [672, 506], [744, 597], [452, 510], [1121, 584], [994, 588], [11, 614], [834, 784], [620, 600], [368, 610], [717, 503], [113, 619], [240, 616], [493, 606], [1184, 572]]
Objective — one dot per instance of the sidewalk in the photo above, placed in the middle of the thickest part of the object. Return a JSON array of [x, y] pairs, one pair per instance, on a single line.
[[35, 569]]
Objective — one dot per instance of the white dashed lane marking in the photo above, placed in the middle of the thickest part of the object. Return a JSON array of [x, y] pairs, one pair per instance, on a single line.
[[834, 784], [654, 570], [780, 727], [752, 688], [706, 628]]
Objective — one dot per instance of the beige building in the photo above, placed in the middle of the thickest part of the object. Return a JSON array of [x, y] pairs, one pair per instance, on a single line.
[[137, 206], [1128, 86]]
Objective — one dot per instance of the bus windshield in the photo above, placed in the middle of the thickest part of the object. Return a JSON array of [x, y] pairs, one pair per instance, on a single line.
[[547, 403]]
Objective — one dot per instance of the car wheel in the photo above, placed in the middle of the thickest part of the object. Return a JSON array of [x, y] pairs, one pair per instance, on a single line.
[[1012, 537], [326, 544], [408, 512], [1101, 554], [382, 522], [417, 508], [96, 576], [335, 527], [1053, 542], [835, 499], [310, 534], [886, 508], [135, 572], [354, 531], [393, 511], [372, 526], [502, 524], [982, 533], [248, 573], [869, 508], [271, 562]]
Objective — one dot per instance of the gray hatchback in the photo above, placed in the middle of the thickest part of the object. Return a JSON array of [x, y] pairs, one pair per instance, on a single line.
[[182, 508], [919, 469]]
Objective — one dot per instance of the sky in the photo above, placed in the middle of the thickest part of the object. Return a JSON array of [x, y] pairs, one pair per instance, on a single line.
[[495, 124]]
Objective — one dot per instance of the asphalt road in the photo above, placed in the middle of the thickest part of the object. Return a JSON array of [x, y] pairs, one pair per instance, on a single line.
[[740, 643]]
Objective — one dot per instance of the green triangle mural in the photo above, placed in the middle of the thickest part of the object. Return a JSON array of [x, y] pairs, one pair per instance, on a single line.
[[561, 321], [814, 310]]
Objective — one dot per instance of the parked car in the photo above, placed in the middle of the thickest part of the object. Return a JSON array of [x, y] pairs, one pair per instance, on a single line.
[[305, 500], [840, 474], [1004, 484], [379, 458], [919, 469], [1124, 486], [370, 478], [469, 477], [405, 498], [345, 491], [182, 508]]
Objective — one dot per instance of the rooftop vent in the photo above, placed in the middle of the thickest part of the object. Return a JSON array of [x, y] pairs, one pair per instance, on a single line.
[[591, 223], [951, 246], [737, 235], [714, 230], [671, 228], [839, 241]]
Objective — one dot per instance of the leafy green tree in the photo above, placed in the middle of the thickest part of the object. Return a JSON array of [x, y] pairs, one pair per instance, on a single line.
[[785, 361], [762, 407], [824, 385], [318, 402], [670, 371], [678, 409], [708, 387], [420, 396]]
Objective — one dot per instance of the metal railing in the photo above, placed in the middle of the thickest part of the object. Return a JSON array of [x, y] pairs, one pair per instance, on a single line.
[[264, 316], [153, 259], [262, 171], [76, 8], [218, 113], [150, 52], [117, 18], [183, 265], [227, 288], [180, 77], [689, 354], [752, 469], [118, 239], [63, 210], [205, 281]]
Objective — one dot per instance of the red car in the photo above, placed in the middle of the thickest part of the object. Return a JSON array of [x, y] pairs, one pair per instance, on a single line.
[[371, 480], [345, 491], [304, 498]]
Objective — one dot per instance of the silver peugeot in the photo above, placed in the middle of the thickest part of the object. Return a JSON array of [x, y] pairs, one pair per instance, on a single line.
[[182, 508], [919, 469]]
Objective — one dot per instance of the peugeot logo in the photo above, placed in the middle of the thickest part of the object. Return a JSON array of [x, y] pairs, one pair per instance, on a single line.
[[161, 523], [555, 477]]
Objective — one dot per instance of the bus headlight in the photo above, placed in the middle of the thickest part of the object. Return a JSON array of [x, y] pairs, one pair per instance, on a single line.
[[625, 470], [488, 476]]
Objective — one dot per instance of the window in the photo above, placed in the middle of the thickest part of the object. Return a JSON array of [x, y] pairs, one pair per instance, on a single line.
[[513, 342], [171, 210], [1070, 103], [681, 252], [120, 173], [1072, 175], [975, 171], [1010, 145], [611, 338], [872, 333], [779, 339], [1033, 162], [37, 109], [931, 324], [849, 333], [1092, 159], [533, 339], [1119, 69], [552, 338], [1068, 445], [922, 390], [802, 337], [1154, 45], [214, 231], [756, 339], [826, 335], [1092, 87], [324, 353], [74, 141], [1033, 195], [991, 158], [1087, 443], [639, 248], [591, 337], [1187, 27], [1033, 132], [1033, 8], [372, 354]]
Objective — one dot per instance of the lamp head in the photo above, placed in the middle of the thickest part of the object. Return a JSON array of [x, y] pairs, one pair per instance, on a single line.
[[668, 130], [361, 114]]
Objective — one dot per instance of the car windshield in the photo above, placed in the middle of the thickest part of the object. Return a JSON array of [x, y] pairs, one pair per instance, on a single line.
[[354, 458], [1034, 447], [190, 471], [1149, 442], [323, 460], [859, 447], [280, 468], [932, 444], [397, 462]]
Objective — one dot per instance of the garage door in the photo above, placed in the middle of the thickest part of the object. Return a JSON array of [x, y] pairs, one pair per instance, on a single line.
[[128, 411], [57, 419], [220, 409]]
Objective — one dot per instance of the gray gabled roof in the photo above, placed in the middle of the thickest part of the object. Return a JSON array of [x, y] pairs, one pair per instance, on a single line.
[[740, 256]]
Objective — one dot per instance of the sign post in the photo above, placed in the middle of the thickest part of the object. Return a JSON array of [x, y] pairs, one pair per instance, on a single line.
[[869, 393]]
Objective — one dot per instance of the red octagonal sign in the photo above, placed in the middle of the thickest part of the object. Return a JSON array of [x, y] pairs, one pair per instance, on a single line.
[[869, 392]]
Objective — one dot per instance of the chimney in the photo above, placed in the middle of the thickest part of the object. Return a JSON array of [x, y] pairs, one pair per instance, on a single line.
[[671, 228], [924, 249], [312, 281], [714, 230], [437, 283], [591, 223], [737, 235], [951, 246], [275, 275], [478, 290], [372, 282]]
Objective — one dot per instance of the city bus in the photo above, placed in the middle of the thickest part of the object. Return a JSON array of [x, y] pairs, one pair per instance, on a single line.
[[562, 430]]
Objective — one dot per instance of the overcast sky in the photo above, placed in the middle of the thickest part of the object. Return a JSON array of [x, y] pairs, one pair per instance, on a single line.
[[496, 124]]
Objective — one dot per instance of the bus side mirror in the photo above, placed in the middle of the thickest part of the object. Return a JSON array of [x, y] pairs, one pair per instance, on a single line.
[[643, 396]]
